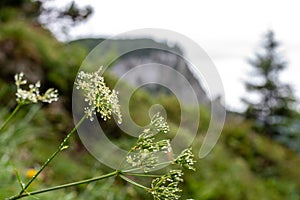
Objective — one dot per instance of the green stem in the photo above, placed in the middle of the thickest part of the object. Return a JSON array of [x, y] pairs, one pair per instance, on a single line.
[[60, 148], [132, 169], [133, 183], [10, 116], [65, 185], [139, 168], [143, 175], [165, 163]]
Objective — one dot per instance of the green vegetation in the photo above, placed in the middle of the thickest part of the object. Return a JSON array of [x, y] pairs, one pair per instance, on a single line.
[[274, 111], [145, 155], [240, 167], [244, 164]]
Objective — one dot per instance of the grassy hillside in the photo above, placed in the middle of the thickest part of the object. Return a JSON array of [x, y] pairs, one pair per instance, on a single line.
[[243, 165]]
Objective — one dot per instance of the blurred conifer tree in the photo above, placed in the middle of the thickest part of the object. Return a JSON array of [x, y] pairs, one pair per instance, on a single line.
[[273, 111]]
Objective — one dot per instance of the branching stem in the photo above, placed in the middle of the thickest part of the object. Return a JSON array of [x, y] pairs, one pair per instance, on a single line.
[[60, 148], [64, 186]]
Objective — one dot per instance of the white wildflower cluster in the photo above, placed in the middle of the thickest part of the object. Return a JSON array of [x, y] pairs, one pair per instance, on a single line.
[[143, 159], [167, 186], [158, 124], [99, 97], [32, 95], [144, 153], [186, 159]]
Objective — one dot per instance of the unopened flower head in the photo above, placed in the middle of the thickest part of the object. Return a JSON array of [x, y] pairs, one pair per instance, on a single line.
[[167, 186], [98, 96], [186, 159], [32, 95], [30, 173]]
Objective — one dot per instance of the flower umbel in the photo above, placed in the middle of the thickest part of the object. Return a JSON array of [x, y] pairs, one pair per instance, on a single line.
[[186, 159], [159, 124], [98, 96], [144, 156], [145, 153], [32, 95], [167, 186], [148, 152]]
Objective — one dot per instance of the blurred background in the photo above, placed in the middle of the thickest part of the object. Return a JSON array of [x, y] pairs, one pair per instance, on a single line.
[[254, 45]]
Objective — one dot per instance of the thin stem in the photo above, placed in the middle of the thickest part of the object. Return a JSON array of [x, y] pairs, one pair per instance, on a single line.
[[139, 168], [165, 163], [132, 169], [65, 185], [60, 148], [133, 182], [10, 116], [143, 175], [19, 179]]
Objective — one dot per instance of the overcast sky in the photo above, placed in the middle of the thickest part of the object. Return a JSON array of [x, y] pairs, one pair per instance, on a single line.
[[229, 31]]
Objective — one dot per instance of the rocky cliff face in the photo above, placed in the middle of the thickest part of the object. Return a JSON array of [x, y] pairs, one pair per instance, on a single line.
[[151, 60], [152, 57]]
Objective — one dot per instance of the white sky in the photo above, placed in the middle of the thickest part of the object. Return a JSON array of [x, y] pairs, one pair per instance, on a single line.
[[229, 31]]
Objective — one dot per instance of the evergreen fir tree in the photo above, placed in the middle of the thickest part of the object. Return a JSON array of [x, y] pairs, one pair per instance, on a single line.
[[272, 113]]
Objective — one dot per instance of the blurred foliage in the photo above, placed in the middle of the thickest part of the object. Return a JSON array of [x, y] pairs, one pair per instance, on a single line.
[[44, 13], [31, 49], [243, 165], [274, 112]]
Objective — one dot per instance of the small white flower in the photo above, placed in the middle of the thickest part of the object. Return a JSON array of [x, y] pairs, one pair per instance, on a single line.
[[159, 124], [186, 159], [33, 94], [144, 153], [98, 96], [167, 186], [19, 79], [50, 96]]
